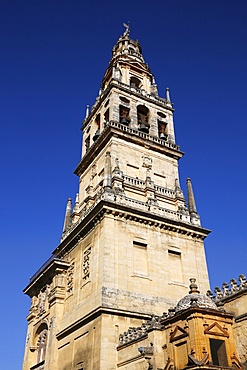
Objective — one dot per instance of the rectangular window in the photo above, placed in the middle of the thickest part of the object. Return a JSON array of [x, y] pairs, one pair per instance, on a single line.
[[140, 258], [175, 265], [218, 352]]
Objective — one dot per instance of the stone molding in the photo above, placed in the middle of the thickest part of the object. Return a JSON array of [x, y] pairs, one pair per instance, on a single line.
[[106, 207]]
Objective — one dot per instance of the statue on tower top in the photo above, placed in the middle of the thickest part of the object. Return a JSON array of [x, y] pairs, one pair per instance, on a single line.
[[127, 31]]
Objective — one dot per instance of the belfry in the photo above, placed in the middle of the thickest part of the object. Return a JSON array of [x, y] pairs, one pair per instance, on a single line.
[[130, 241]]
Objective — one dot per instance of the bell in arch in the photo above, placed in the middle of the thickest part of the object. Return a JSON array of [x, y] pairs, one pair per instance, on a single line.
[[162, 136], [124, 121], [143, 127], [96, 135]]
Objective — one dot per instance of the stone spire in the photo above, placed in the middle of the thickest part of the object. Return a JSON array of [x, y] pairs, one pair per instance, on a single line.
[[67, 218], [194, 217]]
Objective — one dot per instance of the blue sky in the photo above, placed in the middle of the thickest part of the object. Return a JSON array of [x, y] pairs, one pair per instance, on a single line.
[[53, 57]]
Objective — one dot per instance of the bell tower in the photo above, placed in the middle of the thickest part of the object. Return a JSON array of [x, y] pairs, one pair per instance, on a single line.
[[130, 242]]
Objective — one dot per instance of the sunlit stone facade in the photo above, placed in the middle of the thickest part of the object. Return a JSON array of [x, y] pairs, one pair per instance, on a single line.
[[129, 246]]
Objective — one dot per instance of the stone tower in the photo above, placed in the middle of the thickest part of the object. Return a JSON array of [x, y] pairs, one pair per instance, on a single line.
[[130, 243]]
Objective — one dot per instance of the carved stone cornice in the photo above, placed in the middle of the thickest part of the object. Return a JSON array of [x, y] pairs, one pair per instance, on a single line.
[[115, 209], [45, 275]]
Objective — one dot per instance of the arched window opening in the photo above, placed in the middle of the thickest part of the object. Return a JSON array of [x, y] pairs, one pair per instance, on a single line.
[[124, 117], [87, 143], [142, 116], [162, 129], [106, 117], [131, 50], [41, 342], [97, 133], [135, 82]]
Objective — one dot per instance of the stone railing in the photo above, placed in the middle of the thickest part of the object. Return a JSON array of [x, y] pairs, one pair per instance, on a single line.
[[164, 191], [129, 202], [134, 181], [143, 135], [143, 93], [228, 289]]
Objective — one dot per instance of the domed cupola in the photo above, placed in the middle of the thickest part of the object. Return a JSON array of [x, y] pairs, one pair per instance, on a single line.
[[195, 299]]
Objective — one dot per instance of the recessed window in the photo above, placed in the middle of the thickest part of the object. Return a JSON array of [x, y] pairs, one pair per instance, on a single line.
[[140, 259], [175, 265], [173, 252], [41, 342], [218, 352]]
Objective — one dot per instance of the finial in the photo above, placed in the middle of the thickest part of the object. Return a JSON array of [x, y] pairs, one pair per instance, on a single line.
[[76, 206], [168, 95], [87, 111], [127, 31], [193, 287], [67, 218]]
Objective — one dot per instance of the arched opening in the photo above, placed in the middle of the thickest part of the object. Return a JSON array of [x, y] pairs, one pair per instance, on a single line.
[[143, 118], [41, 345], [97, 132], [162, 129], [162, 125], [124, 117], [131, 50], [106, 117], [87, 143], [135, 82]]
